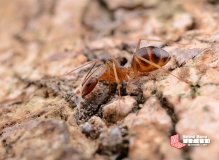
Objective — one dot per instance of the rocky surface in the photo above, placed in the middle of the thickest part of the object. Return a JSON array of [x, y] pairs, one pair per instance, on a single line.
[[42, 115]]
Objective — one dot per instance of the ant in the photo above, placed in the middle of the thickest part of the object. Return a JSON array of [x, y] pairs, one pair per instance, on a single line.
[[144, 60]]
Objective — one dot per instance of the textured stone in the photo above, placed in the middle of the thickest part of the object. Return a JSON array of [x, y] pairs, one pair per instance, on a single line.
[[202, 110], [151, 114], [149, 143], [93, 127], [50, 139], [183, 22], [118, 109]]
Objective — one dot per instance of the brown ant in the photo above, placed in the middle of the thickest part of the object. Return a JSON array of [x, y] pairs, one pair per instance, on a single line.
[[144, 60]]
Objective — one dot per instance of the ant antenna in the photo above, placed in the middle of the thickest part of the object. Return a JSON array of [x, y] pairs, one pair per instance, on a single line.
[[93, 61]]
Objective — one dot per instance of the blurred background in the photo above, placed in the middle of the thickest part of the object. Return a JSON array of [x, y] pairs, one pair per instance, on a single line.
[[48, 38], [40, 32]]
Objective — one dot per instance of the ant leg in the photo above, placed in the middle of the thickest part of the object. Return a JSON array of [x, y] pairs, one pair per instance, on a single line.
[[110, 66], [159, 67], [118, 66], [134, 66], [152, 40], [109, 81], [161, 40], [117, 80], [114, 60]]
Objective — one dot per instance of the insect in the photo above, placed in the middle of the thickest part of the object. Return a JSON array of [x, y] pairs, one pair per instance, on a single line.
[[144, 60]]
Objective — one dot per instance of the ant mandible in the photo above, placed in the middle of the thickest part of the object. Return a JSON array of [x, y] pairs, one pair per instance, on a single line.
[[144, 60]]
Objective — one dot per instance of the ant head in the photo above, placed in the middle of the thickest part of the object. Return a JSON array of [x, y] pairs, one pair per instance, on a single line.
[[88, 86]]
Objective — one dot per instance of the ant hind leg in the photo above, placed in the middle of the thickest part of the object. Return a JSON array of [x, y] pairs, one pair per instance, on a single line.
[[167, 42], [150, 40], [159, 67]]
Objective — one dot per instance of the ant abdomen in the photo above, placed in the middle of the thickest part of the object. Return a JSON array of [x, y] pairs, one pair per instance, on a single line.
[[153, 54]]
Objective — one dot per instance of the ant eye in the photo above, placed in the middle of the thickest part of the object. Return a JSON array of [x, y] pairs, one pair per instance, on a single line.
[[88, 84]]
